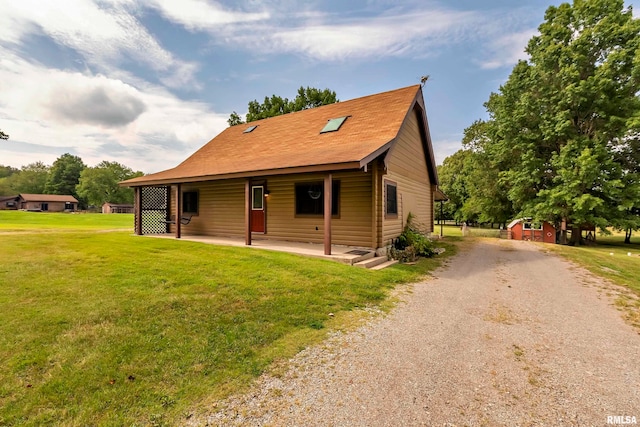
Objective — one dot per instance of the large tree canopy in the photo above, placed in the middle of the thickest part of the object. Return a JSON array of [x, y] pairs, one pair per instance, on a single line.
[[30, 179], [471, 182], [562, 128], [65, 175], [99, 184], [307, 98]]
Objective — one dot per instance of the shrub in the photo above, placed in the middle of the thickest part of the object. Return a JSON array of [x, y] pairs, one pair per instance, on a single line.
[[412, 243]]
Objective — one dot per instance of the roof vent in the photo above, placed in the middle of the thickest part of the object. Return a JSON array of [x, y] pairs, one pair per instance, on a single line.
[[250, 129], [333, 124]]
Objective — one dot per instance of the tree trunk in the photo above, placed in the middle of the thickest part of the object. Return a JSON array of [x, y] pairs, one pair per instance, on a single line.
[[576, 236], [563, 232], [627, 235]]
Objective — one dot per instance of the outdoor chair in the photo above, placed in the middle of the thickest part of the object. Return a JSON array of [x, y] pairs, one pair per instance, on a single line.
[[184, 219]]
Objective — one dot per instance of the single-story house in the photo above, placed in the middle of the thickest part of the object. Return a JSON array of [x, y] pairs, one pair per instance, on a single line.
[[347, 173], [526, 229], [9, 202], [47, 202], [109, 208]]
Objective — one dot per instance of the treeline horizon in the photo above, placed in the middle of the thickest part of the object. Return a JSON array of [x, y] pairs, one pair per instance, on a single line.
[[69, 175]]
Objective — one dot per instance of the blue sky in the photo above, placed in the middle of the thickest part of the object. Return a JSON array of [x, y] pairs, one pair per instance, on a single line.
[[146, 83]]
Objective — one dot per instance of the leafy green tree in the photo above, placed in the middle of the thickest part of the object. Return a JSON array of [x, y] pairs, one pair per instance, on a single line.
[[5, 190], [64, 176], [6, 171], [471, 179], [234, 119], [311, 97], [558, 121], [454, 183], [30, 179], [275, 105], [3, 135], [487, 199], [99, 184], [628, 214]]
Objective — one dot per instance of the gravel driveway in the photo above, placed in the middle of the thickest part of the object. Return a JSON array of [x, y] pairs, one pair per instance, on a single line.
[[505, 335]]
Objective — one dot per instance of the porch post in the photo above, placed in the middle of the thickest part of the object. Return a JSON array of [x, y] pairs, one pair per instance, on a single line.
[[375, 189], [327, 214], [137, 226], [178, 223], [247, 212], [441, 219]]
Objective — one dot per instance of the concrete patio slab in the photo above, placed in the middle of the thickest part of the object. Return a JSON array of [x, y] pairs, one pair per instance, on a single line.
[[344, 254]]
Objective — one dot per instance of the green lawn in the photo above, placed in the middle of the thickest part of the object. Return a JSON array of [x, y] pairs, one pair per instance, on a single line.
[[115, 329], [456, 231], [610, 258], [52, 221]]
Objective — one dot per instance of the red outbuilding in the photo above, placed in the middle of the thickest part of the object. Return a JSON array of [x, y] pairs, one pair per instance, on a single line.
[[525, 229]]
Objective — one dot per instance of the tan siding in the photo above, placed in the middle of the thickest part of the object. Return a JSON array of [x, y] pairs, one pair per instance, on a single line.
[[352, 227], [407, 167], [221, 210]]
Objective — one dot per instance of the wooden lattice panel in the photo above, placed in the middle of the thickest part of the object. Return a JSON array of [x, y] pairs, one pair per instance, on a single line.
[[154, 209]]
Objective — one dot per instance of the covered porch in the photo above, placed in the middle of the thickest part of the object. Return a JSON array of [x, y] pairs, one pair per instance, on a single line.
[[239, 207]]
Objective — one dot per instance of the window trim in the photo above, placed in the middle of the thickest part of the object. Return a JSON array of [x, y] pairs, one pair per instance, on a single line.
[[387, 214], [253, 198], [529, 224], [335, 207], [183, 200]]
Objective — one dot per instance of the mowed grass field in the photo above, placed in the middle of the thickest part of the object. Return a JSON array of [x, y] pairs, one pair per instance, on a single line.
[[53, 221], [107, 328]]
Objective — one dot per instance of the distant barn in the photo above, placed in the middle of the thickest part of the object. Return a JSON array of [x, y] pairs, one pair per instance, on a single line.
[[47, 203], [525, 229], [112, 208], [9, 202]]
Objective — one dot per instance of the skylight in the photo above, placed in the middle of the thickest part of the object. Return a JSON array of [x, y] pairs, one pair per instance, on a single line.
[[250, 129], [333, 124]]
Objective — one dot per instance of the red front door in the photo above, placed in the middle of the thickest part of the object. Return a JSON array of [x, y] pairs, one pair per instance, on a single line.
[[258, 218]]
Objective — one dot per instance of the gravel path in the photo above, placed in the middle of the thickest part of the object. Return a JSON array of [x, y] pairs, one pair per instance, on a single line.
[[506, 335]]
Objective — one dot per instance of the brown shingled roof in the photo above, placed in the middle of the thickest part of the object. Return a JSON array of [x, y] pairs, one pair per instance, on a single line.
[[294, 140]]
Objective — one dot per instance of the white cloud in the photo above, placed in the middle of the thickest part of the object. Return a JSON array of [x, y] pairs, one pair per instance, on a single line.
[[95, 101], [445, 148], [397, 34], [202, 15], [105, 34], [153, 137], [507, 50]]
